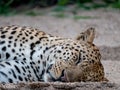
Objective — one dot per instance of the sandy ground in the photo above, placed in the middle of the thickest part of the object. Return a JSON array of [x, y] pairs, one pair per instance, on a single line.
[[107, 24]]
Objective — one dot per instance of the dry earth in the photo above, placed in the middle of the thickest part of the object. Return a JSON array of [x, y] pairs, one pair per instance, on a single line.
[[107, 24]]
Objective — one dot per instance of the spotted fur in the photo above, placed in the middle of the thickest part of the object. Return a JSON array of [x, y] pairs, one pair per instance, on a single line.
[[28, 54]]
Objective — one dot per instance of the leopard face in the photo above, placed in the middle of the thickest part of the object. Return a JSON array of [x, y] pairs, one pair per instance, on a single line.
[[86, 65], [41, 56]]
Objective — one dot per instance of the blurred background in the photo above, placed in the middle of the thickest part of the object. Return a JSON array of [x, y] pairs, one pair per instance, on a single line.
[[8, 7]]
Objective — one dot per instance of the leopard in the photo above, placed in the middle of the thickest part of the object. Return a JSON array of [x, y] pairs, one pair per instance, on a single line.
[[28, 54]]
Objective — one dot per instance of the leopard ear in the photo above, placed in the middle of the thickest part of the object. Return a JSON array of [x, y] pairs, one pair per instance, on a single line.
[[87, 36]]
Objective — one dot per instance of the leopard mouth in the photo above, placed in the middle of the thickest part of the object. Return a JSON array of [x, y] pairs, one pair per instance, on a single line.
[[62, 78]]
